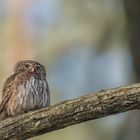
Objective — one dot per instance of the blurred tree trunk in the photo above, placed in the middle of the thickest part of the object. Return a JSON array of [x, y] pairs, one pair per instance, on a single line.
[[131, 127], [132, 8]]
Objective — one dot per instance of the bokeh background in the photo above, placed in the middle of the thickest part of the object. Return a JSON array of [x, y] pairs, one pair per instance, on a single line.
[[85, 45]]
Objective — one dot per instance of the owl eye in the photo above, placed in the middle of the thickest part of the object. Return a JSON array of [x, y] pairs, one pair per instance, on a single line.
[[37, 68], [27, 66]]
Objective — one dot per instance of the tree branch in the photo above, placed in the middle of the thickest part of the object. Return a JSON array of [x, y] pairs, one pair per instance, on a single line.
[[88, 107]]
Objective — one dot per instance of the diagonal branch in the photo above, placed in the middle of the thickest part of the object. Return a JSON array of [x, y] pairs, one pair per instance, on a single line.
[[89, 107]]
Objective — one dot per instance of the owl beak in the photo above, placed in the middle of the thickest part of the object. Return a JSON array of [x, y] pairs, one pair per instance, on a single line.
[[33, 69]]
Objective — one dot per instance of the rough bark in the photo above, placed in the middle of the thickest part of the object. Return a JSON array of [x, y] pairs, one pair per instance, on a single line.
[[66, 113]]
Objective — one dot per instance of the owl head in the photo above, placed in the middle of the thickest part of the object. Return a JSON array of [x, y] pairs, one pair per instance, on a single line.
[[30, 66]]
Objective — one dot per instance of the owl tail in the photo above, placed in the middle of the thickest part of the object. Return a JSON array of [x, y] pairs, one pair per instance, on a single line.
[[3, 112], [3, 115]]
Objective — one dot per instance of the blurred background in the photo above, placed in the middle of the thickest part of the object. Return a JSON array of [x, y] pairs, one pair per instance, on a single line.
[[86, 46]]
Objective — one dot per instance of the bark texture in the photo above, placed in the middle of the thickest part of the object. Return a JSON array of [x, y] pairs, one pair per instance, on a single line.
[[66, 113]]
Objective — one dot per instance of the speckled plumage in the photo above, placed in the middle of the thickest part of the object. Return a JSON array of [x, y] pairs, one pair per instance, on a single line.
[[27, 89]]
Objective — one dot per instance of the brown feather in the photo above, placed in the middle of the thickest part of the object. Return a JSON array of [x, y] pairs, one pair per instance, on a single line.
[[25, 90]]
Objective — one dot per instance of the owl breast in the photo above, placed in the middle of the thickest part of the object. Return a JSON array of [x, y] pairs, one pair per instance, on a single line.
[[33, 94]]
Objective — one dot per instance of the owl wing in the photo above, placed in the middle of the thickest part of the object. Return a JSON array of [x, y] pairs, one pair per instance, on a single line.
[[7, 85], [7, 92]]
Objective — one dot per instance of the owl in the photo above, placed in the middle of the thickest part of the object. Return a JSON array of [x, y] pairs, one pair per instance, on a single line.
[[27, 89]]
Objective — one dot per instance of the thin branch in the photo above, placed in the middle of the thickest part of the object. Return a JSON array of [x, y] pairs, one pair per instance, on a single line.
[[89, 107]]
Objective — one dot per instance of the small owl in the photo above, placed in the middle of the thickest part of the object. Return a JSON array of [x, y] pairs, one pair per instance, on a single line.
[[27, 89]]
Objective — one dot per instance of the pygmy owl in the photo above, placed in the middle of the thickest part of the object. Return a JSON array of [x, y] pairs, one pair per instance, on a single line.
[[27, 89]]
